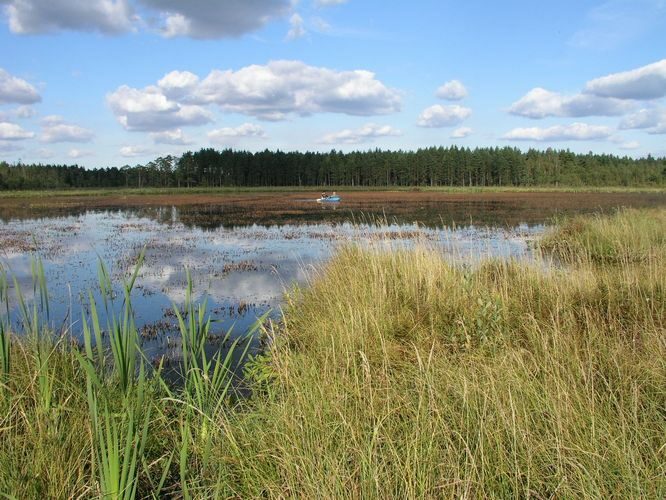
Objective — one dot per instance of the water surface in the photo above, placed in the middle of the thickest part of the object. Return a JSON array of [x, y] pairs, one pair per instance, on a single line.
[[242, 253]]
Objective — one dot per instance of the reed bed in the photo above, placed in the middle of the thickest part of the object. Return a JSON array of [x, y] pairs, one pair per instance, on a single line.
[[393, 374]]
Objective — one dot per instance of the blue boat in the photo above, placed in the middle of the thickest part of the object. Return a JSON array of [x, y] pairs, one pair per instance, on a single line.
[[333, 197]]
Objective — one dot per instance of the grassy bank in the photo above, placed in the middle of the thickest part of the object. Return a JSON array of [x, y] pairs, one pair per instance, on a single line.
[[394, 374]]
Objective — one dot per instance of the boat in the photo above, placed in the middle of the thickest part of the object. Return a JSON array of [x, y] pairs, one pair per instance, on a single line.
[[333, 197]]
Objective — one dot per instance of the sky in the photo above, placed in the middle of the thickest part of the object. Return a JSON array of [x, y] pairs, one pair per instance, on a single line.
[[113, 82]]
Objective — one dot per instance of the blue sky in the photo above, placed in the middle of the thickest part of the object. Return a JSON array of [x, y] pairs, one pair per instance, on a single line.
[[113, 82]]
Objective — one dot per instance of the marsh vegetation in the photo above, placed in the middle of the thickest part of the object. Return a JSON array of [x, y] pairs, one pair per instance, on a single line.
[[411, 376]]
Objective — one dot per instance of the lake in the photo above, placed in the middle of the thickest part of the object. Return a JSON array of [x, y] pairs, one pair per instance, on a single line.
[[244, 250]]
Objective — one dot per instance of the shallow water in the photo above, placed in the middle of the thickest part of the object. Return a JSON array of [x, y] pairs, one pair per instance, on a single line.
[[242, 269]]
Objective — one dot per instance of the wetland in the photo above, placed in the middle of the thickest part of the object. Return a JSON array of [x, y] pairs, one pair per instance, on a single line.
[[538, 317], [244, 251]]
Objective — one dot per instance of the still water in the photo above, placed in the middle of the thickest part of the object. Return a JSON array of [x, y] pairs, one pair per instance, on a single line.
[[241, 256]]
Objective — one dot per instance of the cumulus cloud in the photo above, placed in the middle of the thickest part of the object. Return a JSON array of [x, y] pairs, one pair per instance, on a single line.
[[134, 151], [78, 153], [540, 103], [13, 132], [646, 82], [216, 18], [270, 92], [443, 116], [174, 137], [227, 134], [644, 118], [461, 133], [280, 88], [149, 109], [366, 133], [54, 129], [296, 28], [177, 84], [452, 91], [193, 18], [14, 90], [44, 16], [573, 132], [652, 119]]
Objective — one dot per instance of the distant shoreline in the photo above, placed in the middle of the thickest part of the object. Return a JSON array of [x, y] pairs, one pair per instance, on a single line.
[[193, 191]]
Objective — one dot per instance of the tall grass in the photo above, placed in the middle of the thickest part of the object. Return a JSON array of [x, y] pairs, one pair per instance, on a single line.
[[119, 446], [630, 236], [393, 374], [400, 375]]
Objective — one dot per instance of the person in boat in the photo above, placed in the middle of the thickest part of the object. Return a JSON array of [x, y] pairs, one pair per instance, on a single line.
[[324, 195]]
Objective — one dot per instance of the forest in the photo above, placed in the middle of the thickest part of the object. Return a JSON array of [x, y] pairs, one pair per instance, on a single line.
[[435, 166]]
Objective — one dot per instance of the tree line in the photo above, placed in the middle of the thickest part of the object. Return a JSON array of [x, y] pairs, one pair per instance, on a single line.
[[435, 166]]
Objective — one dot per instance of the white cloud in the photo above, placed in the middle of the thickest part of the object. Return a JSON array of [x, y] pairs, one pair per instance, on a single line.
[[25, 112], [191, 18], [644, 118], [78, 153], [653, 119], [326, 3], [15, 90], [177, 83], [13, 132], [443, 116], [296, 28], [280, 88], [630, 145], [659, 129], [227, 134], [452, 91], [646, 82], [461, 133], [573, 132], [270, 92], [134, 151], [9, 147], [54, 129], [217, 18], [43, 16], [366, 133], [149, 109], [174, 137], [540, 103]]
